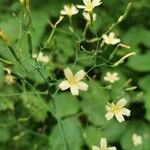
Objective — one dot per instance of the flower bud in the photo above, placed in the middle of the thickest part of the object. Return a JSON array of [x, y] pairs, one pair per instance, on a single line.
[[25, 3]]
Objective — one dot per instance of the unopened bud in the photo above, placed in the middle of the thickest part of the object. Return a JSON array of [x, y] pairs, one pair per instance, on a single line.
[[25, 3], [124, 46], [59, 20], [4, 37], [123, 58]]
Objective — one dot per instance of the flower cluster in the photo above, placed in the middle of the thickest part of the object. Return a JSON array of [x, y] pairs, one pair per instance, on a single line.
[[88, 8], [41, 57]]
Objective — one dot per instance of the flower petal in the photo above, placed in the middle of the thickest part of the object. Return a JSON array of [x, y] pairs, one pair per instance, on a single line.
[[109, 115], [74, 90], [96, 2], [103, 143], [125, 111], [115, 41], [68, 73], [64, 85], [112, 35], [63, 12], [115, 74], [86, 1], [82, 86], [95, 148], [122, 102], [105, 37], [119, 117], [112, 148], [81, 6], [79, 75], [107, 108]]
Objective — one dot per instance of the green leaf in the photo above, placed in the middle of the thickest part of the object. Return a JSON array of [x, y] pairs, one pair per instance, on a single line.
[[140, 62], [66, 104], [86, 59], [144, 82], [5, 135], [72, 132], [140, 128], [1, 73], [9, 27], [6, 104], [92, 136], [36, 106], [147, 105], [93, 103], [114, 130], [133, 40]]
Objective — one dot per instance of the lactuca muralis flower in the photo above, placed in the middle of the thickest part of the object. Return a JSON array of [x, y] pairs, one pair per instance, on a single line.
[[86, 16], [103, 145], [117, 110], [110, 39], [69, 10], [89, 5], [73, 82], [111, 77], [41, 57], [9, 79], [137, 139]]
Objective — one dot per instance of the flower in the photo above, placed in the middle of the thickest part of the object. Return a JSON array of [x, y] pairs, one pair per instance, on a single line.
[[88, 18], [117, 110], [111, 77], [73, 82], [69, 10], [89, 5], [103, 145], [137, 139], [110, 40], [9, 79], [41, 57]]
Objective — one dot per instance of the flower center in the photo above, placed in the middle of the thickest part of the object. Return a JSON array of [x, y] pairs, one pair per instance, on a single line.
[[72, 81], [89, 7], [115, 108], [110, 39], [70, 13]]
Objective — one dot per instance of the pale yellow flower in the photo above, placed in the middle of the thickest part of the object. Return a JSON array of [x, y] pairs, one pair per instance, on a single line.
[[111, 77], [89, 5], [9, 79], [69, 10], [110, 39], [137, 139], [103, 145], [41, 57], [73, 82], [117, 110], [86, 16]]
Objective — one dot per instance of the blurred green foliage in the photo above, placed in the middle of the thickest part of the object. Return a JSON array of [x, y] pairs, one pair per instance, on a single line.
[[28, 120]]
